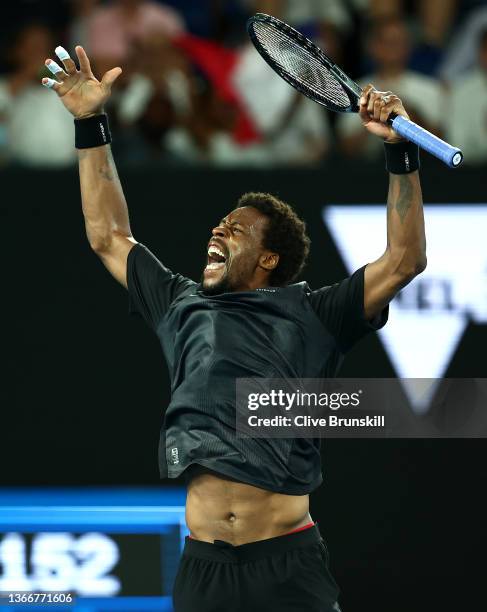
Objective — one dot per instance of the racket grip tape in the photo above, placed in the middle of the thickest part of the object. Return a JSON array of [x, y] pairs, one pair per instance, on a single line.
[[451, 156]]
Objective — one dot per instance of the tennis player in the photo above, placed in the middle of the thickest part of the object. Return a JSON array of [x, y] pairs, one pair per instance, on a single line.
[[253, 544]]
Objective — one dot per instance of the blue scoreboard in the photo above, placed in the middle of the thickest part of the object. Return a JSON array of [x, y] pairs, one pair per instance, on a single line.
[[108, 549]]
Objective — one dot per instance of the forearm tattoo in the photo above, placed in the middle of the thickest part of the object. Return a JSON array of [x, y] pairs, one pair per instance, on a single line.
[[106, 169], [401, 194]]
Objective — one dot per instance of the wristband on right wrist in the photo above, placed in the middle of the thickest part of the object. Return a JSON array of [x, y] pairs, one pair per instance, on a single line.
[[92, 132], [401, 157]]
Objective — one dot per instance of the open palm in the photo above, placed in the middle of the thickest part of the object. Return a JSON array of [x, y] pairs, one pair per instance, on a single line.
[[79, 90]]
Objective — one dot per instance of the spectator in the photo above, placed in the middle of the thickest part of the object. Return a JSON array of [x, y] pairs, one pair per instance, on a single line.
[[304, 12], [331, 22], [291, 131], [467, 118], [38, 131], [433, 21], [207, 135], [436, 17], [294, 130], [157, 97], [217, 20], [113, 30], [461, 54], [81, 14], [389, 48]]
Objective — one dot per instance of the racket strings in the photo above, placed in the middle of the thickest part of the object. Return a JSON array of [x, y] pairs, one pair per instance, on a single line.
[[298, 63]]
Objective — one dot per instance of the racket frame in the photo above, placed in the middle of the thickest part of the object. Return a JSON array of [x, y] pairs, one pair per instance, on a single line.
[[351, 88], [450, 155]]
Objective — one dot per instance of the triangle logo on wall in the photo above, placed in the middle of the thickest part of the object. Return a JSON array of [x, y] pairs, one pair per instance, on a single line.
[[429, 316]]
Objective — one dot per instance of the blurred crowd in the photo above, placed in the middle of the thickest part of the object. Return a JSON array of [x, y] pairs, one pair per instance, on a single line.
[[194, 91]]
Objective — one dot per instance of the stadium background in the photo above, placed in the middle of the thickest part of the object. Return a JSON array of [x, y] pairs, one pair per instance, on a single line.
[[84, 386]]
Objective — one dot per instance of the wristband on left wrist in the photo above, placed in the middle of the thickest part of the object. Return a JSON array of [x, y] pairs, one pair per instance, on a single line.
[[92, 132]]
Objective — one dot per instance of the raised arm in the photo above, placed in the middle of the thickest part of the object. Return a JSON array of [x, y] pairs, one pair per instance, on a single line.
[[405, 254], [104, 206]]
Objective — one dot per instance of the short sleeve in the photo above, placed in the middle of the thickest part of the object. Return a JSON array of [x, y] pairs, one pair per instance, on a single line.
[[152, 287], [340, 308]]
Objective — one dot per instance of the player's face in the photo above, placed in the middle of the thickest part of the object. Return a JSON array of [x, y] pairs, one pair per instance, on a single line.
[[234, 252]]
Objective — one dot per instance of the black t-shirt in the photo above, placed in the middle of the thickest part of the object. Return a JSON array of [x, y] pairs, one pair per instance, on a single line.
[[209, 341]]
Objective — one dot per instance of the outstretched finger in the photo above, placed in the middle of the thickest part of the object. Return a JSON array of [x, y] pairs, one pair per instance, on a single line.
[[55, 69], [68, 63], [51, 84], [110, 77], [84, 62]]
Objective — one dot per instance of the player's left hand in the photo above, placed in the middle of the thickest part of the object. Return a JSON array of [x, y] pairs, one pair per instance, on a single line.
[[375, 108]]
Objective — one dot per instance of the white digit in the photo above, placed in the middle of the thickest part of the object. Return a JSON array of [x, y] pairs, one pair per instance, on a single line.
[[12, 558], [53, 565], [99, 554]]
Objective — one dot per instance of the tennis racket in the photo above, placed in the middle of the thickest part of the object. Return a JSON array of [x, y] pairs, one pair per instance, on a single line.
[[304, 66]]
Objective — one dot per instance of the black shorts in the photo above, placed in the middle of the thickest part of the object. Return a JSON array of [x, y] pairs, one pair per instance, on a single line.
[[286, 574]]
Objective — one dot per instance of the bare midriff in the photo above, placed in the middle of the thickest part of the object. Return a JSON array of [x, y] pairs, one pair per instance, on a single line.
[[221, 509]]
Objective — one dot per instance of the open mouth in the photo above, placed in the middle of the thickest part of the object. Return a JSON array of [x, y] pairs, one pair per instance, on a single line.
[[216, 258]]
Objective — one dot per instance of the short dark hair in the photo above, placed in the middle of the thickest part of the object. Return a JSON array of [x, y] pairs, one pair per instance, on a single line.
[[285, 235]]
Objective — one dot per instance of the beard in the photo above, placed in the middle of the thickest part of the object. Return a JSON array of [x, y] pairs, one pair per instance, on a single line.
[[236, 275], [222, 286]]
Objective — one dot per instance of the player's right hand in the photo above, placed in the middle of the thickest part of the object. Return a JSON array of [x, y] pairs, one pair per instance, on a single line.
[[79, 90]]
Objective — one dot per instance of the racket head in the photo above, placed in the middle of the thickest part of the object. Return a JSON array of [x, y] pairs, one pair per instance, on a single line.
[[301, 63]]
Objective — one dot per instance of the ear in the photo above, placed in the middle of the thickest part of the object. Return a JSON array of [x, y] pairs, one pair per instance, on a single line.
[[269, 261]]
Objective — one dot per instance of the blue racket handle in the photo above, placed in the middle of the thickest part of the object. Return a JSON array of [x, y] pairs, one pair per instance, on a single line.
[[451, 156]]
